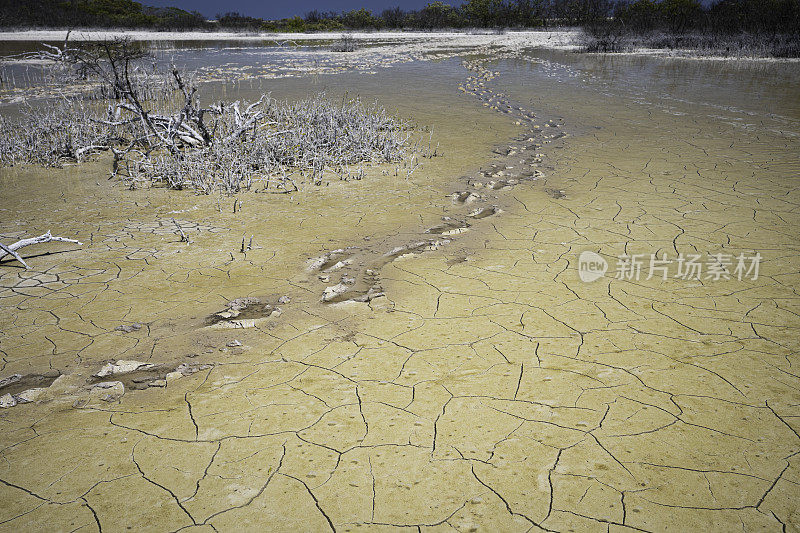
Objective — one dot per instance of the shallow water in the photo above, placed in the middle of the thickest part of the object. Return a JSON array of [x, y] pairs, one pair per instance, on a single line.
[[490, 388]]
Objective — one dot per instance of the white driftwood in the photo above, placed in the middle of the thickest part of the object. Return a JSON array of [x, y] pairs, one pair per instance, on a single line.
[[11, 249]]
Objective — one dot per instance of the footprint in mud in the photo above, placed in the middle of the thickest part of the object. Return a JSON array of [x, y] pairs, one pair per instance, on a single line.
[[484, 212], [364, 286], [245, 312], [456, 260], [333, 260], [398, 251], [496, 171], [557, 194], [345, 292], [449, 226], [533, 174], [496, 185], [465, 197]]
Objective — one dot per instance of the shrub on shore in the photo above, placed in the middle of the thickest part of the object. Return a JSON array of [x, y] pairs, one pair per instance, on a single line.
[[159, 134], [346, 43], [733, 28], [694, 44]]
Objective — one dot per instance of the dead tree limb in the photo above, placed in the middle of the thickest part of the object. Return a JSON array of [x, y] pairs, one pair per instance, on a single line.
[[11, 249], [184, 238]]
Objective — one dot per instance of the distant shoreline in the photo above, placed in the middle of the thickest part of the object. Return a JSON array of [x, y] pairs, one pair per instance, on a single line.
[[195, 35], [573, 39]]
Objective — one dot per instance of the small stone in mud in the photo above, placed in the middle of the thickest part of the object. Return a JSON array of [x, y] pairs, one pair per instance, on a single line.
[[284, 300], [128, 328], [161, 383], [233, 344]]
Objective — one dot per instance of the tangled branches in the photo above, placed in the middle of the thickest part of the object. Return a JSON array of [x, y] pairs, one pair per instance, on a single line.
[[159, 134], [265, 143], [49, 135]]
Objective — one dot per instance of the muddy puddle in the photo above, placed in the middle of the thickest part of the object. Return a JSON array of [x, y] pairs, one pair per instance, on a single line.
[[427, 350]]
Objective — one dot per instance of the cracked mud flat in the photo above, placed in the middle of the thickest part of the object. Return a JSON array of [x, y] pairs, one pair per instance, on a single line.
[[482, 386]]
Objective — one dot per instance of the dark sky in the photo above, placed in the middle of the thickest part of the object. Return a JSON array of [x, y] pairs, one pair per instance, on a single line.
[[275, 9]]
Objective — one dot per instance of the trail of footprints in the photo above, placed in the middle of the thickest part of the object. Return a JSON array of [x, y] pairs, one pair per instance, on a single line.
[[349, 274], [353, 274]]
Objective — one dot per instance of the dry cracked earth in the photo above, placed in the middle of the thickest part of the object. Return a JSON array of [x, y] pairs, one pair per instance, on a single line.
[[418, 353]]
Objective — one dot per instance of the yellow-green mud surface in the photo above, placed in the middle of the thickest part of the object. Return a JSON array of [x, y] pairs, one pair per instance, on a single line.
[[489, 388]]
